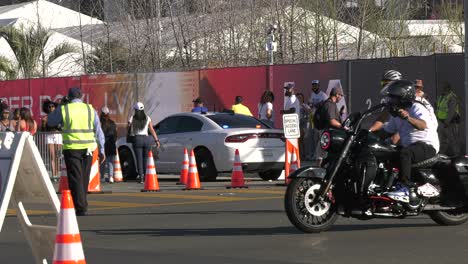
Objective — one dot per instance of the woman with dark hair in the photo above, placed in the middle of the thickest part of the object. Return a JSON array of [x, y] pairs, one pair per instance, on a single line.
[[53, 137], [139, 124], [26, 123], [265, 108]]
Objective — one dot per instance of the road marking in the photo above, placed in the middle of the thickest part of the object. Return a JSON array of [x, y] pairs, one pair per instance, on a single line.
[[186, 203], [108, 205]]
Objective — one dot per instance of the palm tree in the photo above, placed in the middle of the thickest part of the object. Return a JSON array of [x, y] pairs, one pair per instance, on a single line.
[[28, 47], [7, 69]]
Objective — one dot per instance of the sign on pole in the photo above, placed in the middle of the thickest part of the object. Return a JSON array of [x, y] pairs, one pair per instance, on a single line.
[[24, 182], [291, 126]]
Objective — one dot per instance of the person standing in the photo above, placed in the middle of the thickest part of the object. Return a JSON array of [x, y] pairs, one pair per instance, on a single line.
[[5, 123], [139, 124], [304, 124], [16, 116], [109, 129], [26, 123], [265, 108], [317, 95], [53, 138], [331, 118], [291, 101], [80, 126], [316, 98], [448, 116], [239, 108], [198, 106]]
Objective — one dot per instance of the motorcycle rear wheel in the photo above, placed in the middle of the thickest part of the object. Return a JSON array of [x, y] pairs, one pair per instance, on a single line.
[[450, 217], [305, 216]]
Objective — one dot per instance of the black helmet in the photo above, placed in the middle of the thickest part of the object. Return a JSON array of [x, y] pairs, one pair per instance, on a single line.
[[391, 75], [401, 92]]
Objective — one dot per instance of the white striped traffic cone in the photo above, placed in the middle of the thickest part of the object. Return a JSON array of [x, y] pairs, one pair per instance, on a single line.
[[94, 185], [294, 165], [118, 177], [193, 182], [185, 168], [68, 247], [63, 181], [151, 177], [237, 177]]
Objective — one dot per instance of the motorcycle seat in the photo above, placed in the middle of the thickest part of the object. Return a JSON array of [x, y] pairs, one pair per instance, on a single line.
[[431, 161]]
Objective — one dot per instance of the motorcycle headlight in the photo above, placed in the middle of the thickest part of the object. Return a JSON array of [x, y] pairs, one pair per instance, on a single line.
[[325, 140]]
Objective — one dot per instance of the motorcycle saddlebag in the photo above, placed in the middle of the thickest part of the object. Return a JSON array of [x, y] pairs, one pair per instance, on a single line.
[[461, 177]]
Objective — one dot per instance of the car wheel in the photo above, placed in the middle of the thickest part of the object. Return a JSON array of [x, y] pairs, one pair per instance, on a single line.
[[270, 174], [205, 165], [127, 164]]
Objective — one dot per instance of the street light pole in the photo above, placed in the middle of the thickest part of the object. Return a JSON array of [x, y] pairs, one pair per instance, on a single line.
[[271, 44]]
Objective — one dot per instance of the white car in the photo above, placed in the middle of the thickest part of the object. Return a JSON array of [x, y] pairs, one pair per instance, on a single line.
[[214, 137]]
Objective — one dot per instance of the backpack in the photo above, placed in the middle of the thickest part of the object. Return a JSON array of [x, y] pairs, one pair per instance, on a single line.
[[320, 116]]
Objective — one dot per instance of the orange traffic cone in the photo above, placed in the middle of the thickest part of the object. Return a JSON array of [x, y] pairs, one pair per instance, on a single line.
[[118, 177], [151, 178], [185, 168], [237, 177], [94, 185], [294, 164], [63, 182], [68, 247], [193, 181]]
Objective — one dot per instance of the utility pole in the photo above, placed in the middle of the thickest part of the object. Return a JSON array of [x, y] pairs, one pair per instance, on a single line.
[[465, 16]]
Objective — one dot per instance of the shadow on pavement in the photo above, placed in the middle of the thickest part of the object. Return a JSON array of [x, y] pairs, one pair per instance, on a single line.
[[362, 227], [199, 231], [253, 231]]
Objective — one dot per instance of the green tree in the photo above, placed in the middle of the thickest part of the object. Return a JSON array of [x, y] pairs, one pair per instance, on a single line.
[[7, 69], [28, 46]]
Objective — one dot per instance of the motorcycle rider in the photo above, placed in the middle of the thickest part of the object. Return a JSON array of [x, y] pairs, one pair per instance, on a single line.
[[387, 77], [417, 127]]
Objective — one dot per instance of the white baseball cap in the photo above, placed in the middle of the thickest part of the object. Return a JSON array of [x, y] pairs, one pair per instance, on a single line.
[[315, 82], [139, 106], [105, 110]]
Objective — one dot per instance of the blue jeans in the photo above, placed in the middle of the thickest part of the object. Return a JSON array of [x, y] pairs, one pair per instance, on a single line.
[[141, 148], [108, 166]]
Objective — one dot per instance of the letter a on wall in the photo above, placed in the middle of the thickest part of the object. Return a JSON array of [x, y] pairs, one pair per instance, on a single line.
[[24, 182]]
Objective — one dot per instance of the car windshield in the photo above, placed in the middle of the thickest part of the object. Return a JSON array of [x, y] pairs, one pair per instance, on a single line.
[[236, 121]]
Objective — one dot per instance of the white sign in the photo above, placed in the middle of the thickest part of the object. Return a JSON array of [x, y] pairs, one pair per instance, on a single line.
[[291, 126], [24, 183]]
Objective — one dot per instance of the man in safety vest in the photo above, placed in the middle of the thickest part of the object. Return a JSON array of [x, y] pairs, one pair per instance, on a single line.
[[80, 127], [448, 115]]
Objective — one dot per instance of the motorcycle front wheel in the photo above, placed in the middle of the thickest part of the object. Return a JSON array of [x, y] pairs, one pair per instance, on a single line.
[[304, 215]]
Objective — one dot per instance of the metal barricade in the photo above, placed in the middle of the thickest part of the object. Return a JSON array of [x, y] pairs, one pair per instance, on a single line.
[[50, 148]]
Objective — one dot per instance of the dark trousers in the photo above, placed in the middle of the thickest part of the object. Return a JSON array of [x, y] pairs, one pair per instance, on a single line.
[[449, 139], [78, 163], [414, 153], [141, 148]]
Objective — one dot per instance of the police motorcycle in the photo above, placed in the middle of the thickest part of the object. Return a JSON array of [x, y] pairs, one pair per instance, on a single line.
[[317, 196]]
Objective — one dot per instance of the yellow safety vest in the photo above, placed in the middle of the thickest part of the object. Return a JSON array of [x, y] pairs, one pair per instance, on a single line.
[[78, 126], [442, 106]]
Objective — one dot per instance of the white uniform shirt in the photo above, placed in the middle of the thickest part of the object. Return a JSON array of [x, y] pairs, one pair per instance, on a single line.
[[409, 134], [292, 102], [262, 111]]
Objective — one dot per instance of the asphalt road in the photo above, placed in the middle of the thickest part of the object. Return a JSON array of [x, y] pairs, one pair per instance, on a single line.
[[216, 225]]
